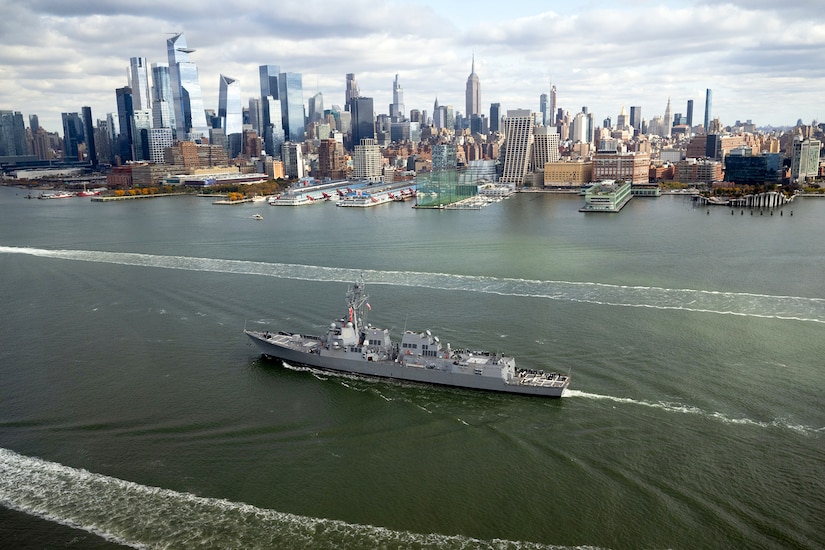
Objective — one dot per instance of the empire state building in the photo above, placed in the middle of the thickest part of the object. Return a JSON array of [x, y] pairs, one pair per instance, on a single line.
[[473, 95]]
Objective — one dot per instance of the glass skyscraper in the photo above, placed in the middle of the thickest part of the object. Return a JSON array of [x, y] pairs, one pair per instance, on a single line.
[[90, 135], [315, 106], [190, 118], [636, 117], [13, 134], [495, 117], [707, 109], [271, 125], [256, 115], [230, 109], [269, 80], [352, 91], [73, 134], [291, 94], [689, 115], [363, 119], [139, 82], [163, 112], [141, 124], [125, 111], [543, 108], [269, 88], [274, 133]]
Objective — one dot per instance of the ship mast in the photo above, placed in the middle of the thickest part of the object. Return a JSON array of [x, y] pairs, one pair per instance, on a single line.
[[356, 300]]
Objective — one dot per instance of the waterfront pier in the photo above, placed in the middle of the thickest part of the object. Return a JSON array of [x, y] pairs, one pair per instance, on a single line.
[[769, 199]]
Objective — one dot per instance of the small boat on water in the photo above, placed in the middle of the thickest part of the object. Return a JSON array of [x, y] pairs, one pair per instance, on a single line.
[[257, 217], [353, 346], [58, 195]]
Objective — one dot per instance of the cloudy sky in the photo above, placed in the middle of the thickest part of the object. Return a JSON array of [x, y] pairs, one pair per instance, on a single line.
[[764, 60]]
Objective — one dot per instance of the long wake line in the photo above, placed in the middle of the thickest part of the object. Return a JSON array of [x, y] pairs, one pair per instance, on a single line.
[[150, 517], [766, 306], [572, 393], [689, 409]]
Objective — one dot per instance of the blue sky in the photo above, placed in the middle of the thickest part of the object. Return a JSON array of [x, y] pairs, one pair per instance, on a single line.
[[763, 60]]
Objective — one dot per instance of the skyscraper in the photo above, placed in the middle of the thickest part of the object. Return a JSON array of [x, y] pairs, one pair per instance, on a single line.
[[315, 106], [256, 114], [473, 92], [543, 108], [397, 108], [495, 117], [73, 135], [689, 116], [139, 82], [13, 133], [439, 115], [230, 111], [274, 137], [363, 119], [90, 135], [707, 109], [582, 126], [103, 142], [352, 91], [163, 110], [449, 117], [113, 127], [668, 119], [190, 117], [125, 110], [271, 123], [551, 107], [621, 120], [545, 147], [269, 80], [343, 120], [141, 125], [229, 105], [518, 132], [636, 117], [293, 160], [366, 160], [291, 94]]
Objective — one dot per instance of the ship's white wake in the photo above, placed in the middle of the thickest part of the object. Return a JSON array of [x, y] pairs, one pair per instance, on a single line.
[[690, 409], [690, 300], [150, 517], [572, 393]]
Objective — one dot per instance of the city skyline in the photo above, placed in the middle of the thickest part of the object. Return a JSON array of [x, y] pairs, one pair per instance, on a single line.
[[80, 54]]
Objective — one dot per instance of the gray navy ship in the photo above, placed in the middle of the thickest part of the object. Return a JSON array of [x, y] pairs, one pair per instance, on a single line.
[[352, 346]]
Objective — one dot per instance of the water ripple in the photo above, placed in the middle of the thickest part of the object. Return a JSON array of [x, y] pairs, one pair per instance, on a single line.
[[766, 306], [150, 517], [690, 409]]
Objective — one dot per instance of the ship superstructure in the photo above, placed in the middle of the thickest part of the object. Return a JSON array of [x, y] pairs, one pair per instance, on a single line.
[[352, 345]]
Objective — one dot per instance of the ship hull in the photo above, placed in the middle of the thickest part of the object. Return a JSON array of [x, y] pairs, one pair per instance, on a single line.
[[394, 370]]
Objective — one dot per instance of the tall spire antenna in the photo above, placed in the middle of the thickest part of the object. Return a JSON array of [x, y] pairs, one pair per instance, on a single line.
[[473, 66]]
